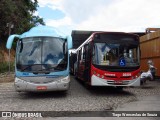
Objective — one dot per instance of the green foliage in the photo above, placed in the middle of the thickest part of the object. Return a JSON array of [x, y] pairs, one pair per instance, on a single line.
[[20, 13], [4, 67]]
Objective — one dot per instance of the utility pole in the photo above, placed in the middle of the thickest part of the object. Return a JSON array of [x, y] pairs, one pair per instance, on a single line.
[[10, 26]]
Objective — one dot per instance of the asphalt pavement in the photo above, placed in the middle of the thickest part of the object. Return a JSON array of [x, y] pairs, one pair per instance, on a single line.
[[148, 106], [145, 103], [78, 98]]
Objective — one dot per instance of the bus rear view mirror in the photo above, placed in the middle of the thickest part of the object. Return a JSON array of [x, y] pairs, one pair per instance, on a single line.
[[69, 40], [64, 47], [10, 41], [21, 44]]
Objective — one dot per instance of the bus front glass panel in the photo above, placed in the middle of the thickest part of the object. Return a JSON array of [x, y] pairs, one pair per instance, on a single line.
[[37, 54], [122, 51]]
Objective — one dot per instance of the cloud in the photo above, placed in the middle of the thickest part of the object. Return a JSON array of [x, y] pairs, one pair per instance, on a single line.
[[49, 13], [124, 15], [56, 23], [65, 25], [54, 4], [36, 13], [108, 15], [81, 10]]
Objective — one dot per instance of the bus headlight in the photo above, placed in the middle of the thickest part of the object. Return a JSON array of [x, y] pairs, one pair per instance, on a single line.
[[94, 72], [98, 74], [18, 80], [136, 76], [66, 79], [102, 76]]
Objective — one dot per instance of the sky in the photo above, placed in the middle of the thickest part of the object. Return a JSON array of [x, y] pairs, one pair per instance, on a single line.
[[100, 15]]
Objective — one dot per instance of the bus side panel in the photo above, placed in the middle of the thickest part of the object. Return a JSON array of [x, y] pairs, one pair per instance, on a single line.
[[81, 70]]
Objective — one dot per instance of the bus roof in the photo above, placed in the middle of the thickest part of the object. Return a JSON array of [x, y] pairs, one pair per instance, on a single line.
[[40, 31], [79, 36], [101, 32]]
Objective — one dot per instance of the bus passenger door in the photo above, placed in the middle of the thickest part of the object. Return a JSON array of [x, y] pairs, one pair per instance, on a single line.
[[80, 66], [87, 63], [78, 63]]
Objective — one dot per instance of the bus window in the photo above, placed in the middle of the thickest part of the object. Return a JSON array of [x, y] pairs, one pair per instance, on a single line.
[[83, 54], [109, 54]]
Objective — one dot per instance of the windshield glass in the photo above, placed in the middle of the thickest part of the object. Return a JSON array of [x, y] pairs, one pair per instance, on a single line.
[[116, 54], [41, 53]]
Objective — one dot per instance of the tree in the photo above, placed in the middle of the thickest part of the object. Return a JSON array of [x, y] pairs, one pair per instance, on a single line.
[[20, 13]]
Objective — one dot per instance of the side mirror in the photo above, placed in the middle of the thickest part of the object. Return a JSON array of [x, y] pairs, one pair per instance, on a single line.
[[64, 47], [10, 41], [69, 41]]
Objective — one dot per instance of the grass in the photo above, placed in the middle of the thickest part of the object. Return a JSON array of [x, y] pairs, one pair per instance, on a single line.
[[4, 67]]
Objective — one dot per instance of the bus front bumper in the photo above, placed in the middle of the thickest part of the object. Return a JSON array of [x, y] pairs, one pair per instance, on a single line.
[[57, 85], [96, 81]]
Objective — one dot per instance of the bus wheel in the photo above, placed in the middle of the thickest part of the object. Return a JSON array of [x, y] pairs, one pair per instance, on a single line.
[[119, 88], [75, 74], [65, 92], [89, 87]]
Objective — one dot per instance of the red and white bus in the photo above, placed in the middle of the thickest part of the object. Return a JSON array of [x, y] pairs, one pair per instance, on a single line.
[[109, 59]]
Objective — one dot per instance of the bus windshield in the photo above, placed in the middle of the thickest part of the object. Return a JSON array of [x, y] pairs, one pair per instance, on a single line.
[[41, 54], [116, 53]]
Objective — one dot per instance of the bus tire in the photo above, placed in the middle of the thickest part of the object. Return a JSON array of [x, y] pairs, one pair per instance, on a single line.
[[89, 87], [64, 92], [75, 74]]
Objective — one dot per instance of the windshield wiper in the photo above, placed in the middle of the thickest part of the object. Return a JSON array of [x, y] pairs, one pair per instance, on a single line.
[[46, 70], [28, 66], [43, 70], [58, 68]]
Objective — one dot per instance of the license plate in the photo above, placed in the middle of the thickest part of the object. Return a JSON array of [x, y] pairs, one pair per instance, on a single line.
[[41, 87], [118, 82]]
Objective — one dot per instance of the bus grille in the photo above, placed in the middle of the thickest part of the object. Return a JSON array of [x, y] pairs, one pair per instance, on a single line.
[[41, 79], [122, 82]]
